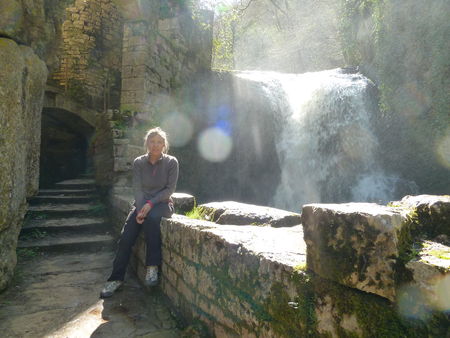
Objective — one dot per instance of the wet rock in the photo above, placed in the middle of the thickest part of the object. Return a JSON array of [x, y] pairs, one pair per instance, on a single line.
[[247, 214]]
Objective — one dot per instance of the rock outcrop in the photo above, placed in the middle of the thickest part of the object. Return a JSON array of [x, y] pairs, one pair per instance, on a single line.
[[22, 78]]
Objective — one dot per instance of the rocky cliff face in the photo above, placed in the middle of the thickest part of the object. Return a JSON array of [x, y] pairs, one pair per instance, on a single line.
[[22, 79], [404, 47]]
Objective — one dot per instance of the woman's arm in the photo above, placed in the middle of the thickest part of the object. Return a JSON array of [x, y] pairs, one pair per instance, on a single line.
[[139, 200]]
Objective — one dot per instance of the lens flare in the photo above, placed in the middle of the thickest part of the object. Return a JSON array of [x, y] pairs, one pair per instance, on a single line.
[[214, 145], [179, 128], [443, 149], [442, 290], [412, 303]]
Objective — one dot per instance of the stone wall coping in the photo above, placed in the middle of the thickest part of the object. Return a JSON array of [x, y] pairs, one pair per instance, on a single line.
[[283, 245], [236, 213]]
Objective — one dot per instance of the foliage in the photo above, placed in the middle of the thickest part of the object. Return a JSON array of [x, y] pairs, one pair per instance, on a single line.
[[201, 213], [224, 38], [76, 90], [26, 253], [33, 234], [122, 118]]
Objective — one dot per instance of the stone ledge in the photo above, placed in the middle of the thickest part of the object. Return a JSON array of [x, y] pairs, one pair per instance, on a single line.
[[245, 214]]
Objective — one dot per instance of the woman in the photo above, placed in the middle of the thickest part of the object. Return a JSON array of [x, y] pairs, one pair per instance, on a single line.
[[155, 177]]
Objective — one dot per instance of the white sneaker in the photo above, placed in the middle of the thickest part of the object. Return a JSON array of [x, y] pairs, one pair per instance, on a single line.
[[110, 288], [151, 277]]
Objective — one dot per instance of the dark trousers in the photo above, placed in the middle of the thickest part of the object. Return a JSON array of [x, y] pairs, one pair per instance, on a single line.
[[130, 232]]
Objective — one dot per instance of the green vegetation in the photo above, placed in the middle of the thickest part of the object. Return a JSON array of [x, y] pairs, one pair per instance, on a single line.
[[26, 253], [77, 91], [441, 254], [293, 317], [33, 234], [201, 214]]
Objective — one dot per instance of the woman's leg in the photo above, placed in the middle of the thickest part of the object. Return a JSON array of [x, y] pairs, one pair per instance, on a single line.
[[130, 231], [152, 232]]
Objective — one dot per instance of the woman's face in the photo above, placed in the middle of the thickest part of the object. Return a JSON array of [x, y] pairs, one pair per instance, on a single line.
[[155, 145]]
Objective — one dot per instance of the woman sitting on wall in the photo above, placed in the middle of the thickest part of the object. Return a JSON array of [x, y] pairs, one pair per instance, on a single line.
[[155, 177]]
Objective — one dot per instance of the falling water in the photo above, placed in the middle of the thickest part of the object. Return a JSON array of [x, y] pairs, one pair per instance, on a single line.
[[326, 146]]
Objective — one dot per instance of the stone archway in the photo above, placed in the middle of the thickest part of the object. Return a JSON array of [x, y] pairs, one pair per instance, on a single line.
[[67, 129]]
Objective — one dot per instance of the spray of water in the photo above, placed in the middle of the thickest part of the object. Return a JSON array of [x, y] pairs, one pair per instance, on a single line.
[[326, 146]]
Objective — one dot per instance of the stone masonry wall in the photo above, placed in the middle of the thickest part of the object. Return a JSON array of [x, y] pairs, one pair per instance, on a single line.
[[160, 53], [22, 78], [90, 48], [261, 281]]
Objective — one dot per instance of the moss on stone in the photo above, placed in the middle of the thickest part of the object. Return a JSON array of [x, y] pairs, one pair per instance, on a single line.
[[293, 317], [376, 316]]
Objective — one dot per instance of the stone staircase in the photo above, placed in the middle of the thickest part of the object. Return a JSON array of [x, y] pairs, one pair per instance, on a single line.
[[67, 218]]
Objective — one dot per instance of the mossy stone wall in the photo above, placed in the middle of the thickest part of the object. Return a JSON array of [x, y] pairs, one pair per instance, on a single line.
[[22, 79]]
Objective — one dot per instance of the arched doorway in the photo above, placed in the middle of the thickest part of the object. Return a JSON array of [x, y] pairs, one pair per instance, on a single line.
[[65, 142]]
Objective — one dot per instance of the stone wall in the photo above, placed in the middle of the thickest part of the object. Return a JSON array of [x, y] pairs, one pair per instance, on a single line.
[[252, 281], [262, 281], [22, 78], [160, 53], [90, 49]]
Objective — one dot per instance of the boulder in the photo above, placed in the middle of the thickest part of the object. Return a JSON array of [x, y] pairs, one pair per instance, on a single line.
[[355, 244], [248, 214]]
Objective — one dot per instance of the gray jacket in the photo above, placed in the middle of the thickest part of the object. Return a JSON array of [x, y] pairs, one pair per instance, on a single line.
[[154, 182]]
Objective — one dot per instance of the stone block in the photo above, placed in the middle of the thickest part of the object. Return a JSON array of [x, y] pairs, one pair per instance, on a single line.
[[206, 285], [133, 83], [186, 291], [122, 164], [430, 276], [433, 213], [245, 214], [183, 202], [120, 150], [355, 244]]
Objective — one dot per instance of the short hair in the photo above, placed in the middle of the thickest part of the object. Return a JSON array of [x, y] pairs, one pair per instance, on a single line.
[[157, 131]]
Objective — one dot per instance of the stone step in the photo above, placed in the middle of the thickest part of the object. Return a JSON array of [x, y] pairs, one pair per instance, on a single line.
[[58, 199], [77, 183], [76, 224], [44, 211], [69, 243], [66, 192]]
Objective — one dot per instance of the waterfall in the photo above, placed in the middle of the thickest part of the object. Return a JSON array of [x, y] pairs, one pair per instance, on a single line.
[[325, 143]]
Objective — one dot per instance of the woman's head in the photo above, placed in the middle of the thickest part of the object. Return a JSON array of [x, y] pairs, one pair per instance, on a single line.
[[156, 140]]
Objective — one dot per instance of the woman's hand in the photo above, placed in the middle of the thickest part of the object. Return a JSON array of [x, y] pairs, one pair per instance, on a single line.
[[143, 213]]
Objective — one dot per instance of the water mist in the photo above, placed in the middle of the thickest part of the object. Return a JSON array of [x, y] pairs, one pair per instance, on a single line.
[[326, 146]]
